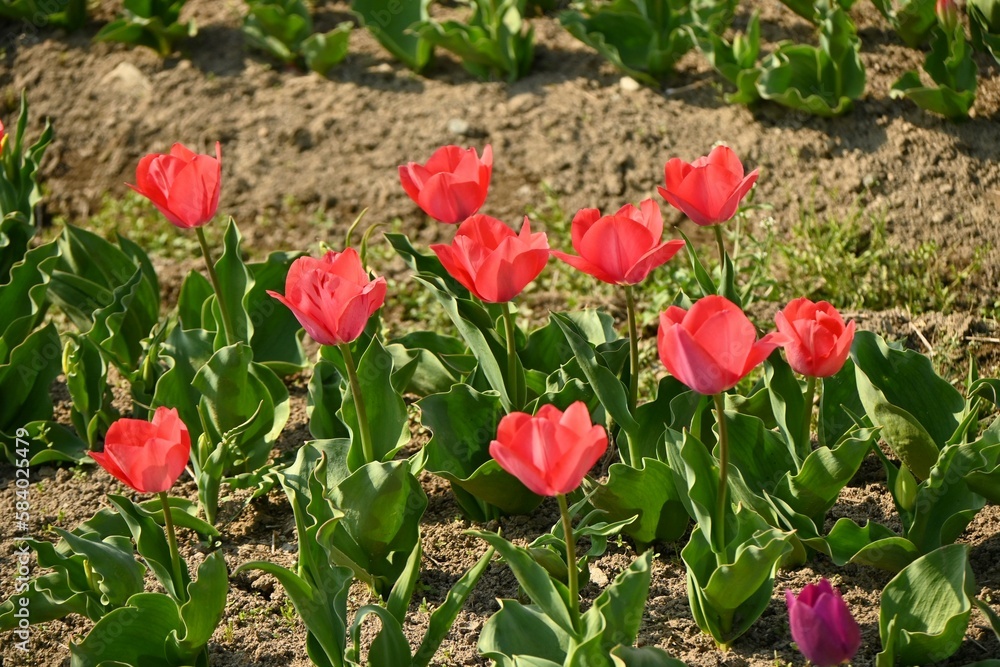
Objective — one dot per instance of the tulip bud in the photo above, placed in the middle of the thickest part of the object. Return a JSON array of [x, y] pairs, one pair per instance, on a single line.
[[822, 625], [947, 14]]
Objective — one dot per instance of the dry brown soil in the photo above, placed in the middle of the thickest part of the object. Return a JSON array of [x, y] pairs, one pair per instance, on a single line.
[[303, 155]]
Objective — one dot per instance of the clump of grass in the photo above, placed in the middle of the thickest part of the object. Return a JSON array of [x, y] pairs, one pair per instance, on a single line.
[[853, 264]]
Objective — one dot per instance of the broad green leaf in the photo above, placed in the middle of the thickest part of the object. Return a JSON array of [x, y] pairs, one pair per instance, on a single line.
[[522, 630], [380, 543], [647, 656], [389, 646], [788, 405], [475, 325], [817, 485], [643, 38], [235, 282], [384, 407], [132, 635], [951, 67], [22, 298], [46, 442], [696, 477], [944, 503], [195, 291], [917, 410], [621, 604], [546, 349], [185, 352], [276, 340], [912, 19], [550, 596], [426, 363], [86, 375], [761, 455], [647, 493], [873, 544], [233, 390], [324, 51], [326, 396], [116, 573], [929, 603], [151, 544], [150, 23], [205, 605], [608, 387], [463, 423], [390, 23], [25, 379], [838, 401]]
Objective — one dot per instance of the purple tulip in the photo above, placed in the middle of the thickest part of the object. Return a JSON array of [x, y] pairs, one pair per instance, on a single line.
[[822, 625]]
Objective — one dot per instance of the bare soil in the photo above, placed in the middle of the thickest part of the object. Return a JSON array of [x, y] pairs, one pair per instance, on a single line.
[[303, 155]]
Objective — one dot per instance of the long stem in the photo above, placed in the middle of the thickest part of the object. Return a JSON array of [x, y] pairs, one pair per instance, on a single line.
[[722, 245], [359, 403], [227, 320], [719, 527], [633, 349], [508, 325], [572, 572], [806, 441], [175, 555]]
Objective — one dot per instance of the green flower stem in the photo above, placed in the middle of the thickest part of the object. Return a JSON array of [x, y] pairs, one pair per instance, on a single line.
[[721, 243], [359, 403], [508, 325], [227, 320], [175, 555], [633, 349], [719, 526], [807, 418], [571, 568]]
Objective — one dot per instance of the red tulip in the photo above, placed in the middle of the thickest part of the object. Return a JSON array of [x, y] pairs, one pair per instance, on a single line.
[[818, 342], [708, 190], [452, 185], [493, 262], [147, 456], [822, 625], [184, 185], [621, 248], [712, 346], [552, 451], [3, 133], [332, 297], [947, 14]]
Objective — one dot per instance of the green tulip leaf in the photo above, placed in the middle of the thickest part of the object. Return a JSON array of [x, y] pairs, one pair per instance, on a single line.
[[133, 635], [549, 595], [647, 656], [696, 477], [425, 362], [838, 403], [389, 647], [621, 604], [376, 544], [642, 38], [944, 503], [646, 493], [390, 22], [150, 23], [276, 340], [519, 630], [25, 379], [151, 544], [728, 592], [824, 473], [917, 410], [463, 423], [872, 544], [476, 326], [22, 299], [325, 50], [929, 604], [606, 385], [116, 572], [205, 605], [20, 192], [384, 407], [495, 41], [912, 19]]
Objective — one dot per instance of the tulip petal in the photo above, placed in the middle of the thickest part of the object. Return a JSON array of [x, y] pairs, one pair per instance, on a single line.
[[586, 266], [724, 157], [582, 222], [656, 257], [449, 201], [508, 270], [453, 263], [686, 360], [616, 243], [523, 470]]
